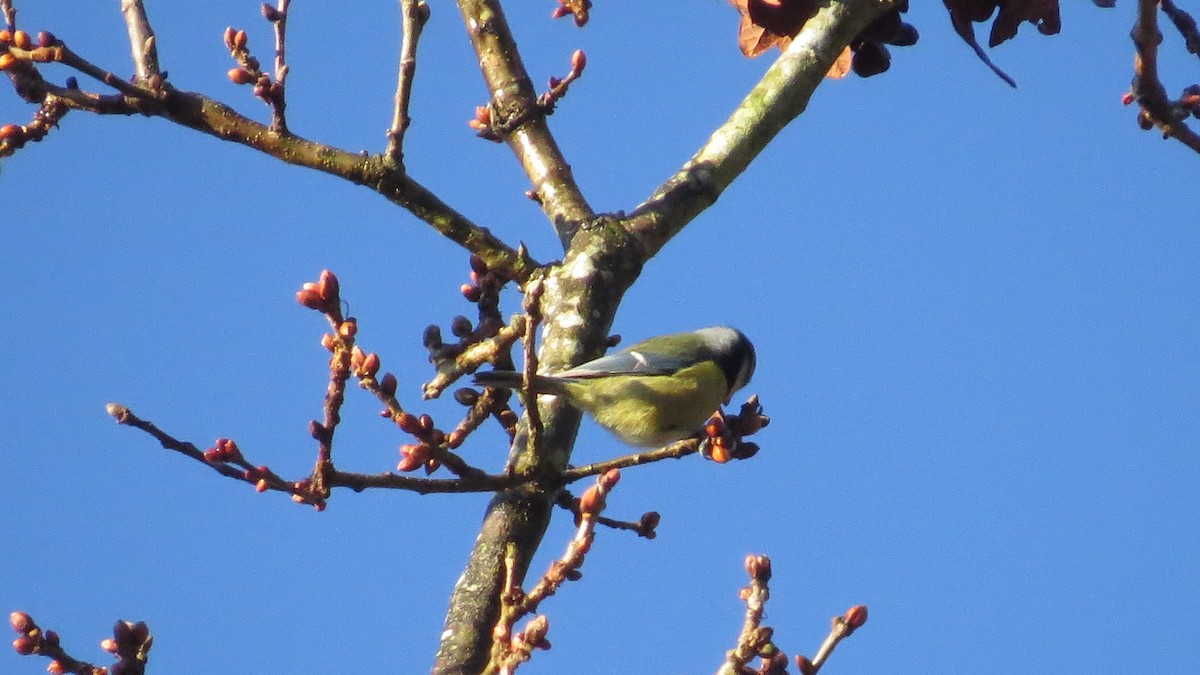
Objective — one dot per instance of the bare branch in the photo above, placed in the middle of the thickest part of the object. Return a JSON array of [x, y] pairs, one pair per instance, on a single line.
[[778, 98], [843, 627], [142, 42], [508, 650], [278, 17], [1185, 24], [1157, 110], [514, 109], [413, 15]]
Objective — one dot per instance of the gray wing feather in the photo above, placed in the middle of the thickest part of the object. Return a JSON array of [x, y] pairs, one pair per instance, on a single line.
[[629, 362]]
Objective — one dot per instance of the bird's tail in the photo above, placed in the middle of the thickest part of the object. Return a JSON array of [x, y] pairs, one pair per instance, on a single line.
[[507, 379]]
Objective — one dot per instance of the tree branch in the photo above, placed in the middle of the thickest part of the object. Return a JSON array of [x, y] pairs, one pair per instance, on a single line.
[[413, 15], [778, 98], [1157, 110], [142, 42], [513, 98]]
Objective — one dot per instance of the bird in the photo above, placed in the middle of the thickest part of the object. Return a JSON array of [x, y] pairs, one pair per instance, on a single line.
[[654, 392]]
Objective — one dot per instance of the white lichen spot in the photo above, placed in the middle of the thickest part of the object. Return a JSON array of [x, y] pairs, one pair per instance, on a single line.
[[569, 319], [581, 267]]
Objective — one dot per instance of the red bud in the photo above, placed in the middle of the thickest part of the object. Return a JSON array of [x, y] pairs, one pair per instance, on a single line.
[[609, 479], [240, 76], [387, 385], [21, 622], [310, 297], [855, 617], [370, 365], [25, 645], [592, 501], [329, 286]]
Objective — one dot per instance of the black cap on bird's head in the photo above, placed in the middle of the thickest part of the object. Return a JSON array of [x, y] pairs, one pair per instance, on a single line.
[[733, 352]]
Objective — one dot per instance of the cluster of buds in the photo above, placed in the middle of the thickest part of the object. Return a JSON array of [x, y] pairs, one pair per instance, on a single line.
[[32, 639], [558, 87], [303, 493], [261, 476], [364, 365], [429, 437], [18, 50], [322, 296], [575, 8], [131, 643], [23, 41], [483, 290], [723, 435], [529, 638], [223, 451], [1187, 105], [759, 568], [15, 136], [249, 70], [482, 123], [494, 402]]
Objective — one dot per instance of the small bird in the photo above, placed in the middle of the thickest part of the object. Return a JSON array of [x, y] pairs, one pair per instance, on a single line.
[[654, 392]]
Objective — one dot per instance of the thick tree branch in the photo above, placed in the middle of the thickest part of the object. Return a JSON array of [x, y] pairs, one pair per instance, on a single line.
[[778, 98], [513, 98], [580, 302], [580, 299]]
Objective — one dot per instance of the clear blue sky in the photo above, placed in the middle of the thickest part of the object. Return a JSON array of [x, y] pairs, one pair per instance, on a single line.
[[975, 310]]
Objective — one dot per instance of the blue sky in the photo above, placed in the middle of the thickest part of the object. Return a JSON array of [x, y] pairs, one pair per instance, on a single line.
[[975, 310]]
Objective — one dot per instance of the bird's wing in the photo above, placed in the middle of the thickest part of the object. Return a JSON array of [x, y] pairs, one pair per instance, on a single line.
[[628, 362]]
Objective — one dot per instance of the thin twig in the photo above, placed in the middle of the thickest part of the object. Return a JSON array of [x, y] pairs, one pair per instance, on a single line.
[[843, 626], [676, 450], [69, 58], [645, 526], [533, 320], [10, 14], [508, 651], [413, 15], [142, 42], [279, 19], [211, 117], [243, 471], [1185, 24]]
